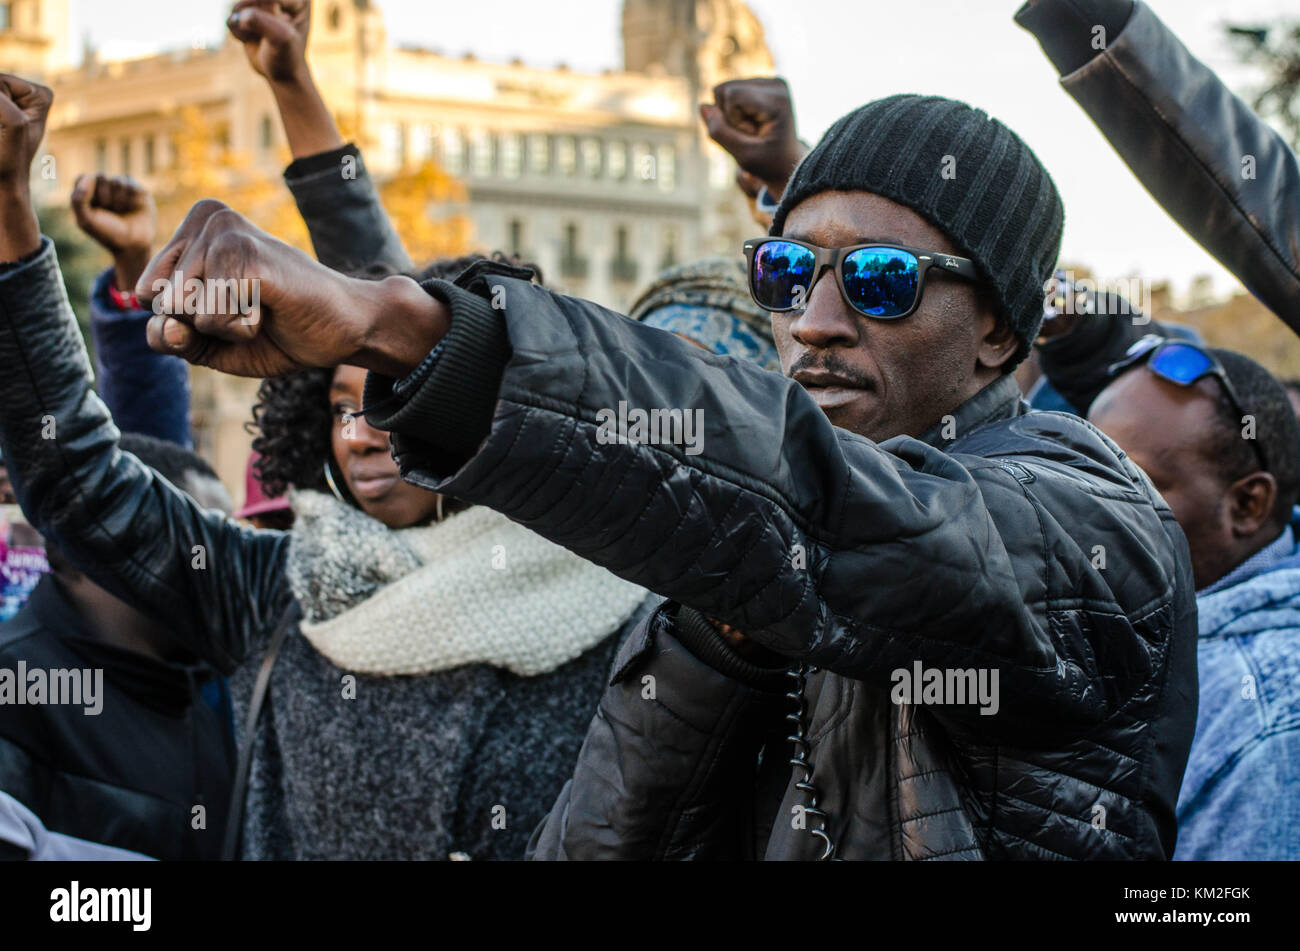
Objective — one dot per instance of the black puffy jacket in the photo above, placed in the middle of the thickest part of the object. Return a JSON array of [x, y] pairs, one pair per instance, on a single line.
[[1028, 546]]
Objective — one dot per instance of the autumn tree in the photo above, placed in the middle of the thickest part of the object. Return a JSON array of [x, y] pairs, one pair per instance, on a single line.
[[1275, 51], [205, 166]]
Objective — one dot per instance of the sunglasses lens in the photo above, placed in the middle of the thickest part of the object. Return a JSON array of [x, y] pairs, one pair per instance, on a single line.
[[881, 282], [781, 275], [1181, 364]]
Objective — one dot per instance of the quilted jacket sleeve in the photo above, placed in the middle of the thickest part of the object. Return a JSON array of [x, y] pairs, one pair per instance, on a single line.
[[129, 529], [819, 544], [1222, 172]]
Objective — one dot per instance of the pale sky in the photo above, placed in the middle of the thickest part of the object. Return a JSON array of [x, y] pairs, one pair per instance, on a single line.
[[836, 54]]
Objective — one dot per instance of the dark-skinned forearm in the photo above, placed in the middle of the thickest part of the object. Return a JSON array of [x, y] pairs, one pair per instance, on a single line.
[[402, 324], [128, 265], [20, 233], [308, 125]]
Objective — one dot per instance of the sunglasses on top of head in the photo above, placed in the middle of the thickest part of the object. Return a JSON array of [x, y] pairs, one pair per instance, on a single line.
[[1184, 363], [882, 281]]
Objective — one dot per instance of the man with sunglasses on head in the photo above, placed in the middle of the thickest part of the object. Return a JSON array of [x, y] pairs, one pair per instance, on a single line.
[[891, 512]]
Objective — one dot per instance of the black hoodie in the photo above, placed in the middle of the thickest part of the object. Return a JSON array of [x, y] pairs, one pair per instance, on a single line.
[[132, 775]]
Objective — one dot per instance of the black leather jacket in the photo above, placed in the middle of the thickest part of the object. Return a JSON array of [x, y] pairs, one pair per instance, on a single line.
[[1185, 136], [1027, 545], [426, 760]]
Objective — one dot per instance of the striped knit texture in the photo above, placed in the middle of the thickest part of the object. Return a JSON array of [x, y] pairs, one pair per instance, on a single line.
[[998, 205]]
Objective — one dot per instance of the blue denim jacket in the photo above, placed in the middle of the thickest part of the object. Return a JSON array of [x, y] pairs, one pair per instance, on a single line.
[[1240, 797]]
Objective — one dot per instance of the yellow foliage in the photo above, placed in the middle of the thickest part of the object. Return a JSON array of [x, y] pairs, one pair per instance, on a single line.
[[425, 204], [206, 167]]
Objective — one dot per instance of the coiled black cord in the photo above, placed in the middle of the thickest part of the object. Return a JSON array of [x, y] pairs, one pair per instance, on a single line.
[[799, 739]]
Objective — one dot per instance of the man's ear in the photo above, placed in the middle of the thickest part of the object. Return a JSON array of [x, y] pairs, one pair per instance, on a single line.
[[1251, 501], [997, 341]]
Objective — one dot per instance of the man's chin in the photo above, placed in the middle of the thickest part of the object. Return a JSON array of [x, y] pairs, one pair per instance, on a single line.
[[857, 415]]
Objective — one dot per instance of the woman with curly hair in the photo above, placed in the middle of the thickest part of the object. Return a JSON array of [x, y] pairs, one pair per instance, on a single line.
[[432, 698]]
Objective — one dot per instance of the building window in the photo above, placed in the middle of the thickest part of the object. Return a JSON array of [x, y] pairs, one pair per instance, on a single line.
[[126, 156], [722, 171], [572, 264], [336, 17], [512, 155], [101, 156], [566, 155], [623, 267], [6, 16], [423, 142], [643, 163], [539, 153], [267, 133], [150, 154], [516, 242], [392, 142], [666, 167], [481, 153], [616, 161], [591, 164], [669, 258], [453, 151]]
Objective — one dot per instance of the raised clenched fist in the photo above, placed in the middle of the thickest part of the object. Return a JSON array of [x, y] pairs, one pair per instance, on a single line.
[[24, 107], [116, 212], [274, 34], [753, 119], [227, 295]]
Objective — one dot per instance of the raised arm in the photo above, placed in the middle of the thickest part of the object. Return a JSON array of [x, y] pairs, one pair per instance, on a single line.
[[125, 526], [1077, 349], [804, 537], [1219, 170], [147, 392], [336, 197]]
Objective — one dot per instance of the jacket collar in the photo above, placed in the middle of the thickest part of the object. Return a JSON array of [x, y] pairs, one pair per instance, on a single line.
[[1268, 581], [999, 400]]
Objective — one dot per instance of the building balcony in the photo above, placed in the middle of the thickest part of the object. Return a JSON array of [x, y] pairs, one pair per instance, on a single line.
[[574, 266], [623, 269]]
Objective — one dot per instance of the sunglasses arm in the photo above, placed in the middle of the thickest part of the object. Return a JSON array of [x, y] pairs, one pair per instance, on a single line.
[[962, 267]]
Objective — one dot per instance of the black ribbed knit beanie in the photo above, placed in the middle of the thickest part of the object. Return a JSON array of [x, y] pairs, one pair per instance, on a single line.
[[964, 172]]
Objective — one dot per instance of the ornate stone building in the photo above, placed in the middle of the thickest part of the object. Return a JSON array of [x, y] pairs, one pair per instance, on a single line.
[[602, 179], [34, 37]]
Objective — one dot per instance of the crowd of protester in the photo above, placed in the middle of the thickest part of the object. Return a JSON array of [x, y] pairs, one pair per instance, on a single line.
[[455, 619]]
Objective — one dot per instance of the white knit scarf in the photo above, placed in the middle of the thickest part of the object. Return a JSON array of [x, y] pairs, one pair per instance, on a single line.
[[474, 588]]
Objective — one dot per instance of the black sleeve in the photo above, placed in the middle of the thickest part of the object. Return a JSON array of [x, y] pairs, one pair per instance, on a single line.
[[1068, 29], [1077, 363]]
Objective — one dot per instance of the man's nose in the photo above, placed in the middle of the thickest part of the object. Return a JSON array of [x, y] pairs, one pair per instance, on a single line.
[[826, 321]]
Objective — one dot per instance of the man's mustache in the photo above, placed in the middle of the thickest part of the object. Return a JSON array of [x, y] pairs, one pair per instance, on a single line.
[[832, 364]]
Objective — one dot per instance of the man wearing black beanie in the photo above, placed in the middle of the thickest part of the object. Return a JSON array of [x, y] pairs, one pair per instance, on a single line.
[[969, 627]]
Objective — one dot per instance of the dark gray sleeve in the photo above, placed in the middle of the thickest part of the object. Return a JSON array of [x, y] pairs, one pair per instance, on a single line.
[[349, 228], [1219, 170], [1077, 363]]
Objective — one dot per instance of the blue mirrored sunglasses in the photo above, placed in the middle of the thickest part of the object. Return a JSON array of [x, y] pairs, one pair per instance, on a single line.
[[1184, 363], [884, 281]]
